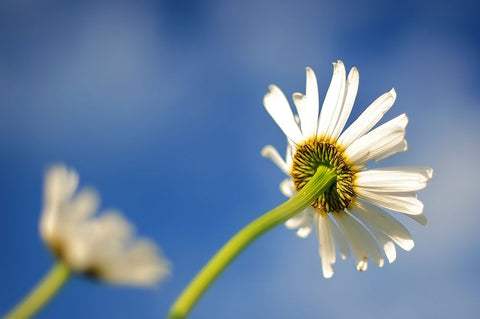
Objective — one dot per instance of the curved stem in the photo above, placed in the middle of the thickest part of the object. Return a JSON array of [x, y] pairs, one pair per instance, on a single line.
[[42, 293], [318, 184]]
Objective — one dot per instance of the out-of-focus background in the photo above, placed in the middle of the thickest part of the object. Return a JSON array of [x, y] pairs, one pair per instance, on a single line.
[[158, 105]]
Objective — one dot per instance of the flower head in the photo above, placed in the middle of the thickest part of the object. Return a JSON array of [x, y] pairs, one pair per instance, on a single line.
[[101, 246], [352, 214]]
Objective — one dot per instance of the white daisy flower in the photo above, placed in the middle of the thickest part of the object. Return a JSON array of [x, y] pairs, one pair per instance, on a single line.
[[101, 246], [352, 214]]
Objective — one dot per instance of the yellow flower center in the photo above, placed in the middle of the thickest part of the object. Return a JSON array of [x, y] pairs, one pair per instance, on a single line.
[[308, 157]]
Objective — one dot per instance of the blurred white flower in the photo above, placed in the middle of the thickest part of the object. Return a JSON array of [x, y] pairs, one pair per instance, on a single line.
[[351, 214], [101, 246]]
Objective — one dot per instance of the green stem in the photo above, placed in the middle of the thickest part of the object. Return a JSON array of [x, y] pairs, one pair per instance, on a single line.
[[318, 184], [42, 293]]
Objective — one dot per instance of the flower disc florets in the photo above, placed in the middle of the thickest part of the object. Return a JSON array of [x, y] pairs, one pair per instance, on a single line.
[[308, 157]]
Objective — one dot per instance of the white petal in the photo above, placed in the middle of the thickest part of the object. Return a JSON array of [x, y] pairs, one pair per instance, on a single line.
[[362, 242], [60, 184], [48, 222], [368, 118], [425, 171], [401, 202], [340, 240], [287, 188], [361, 257], [395, 179], [139, 265], [277, 106], [292, 145], [305, 228], [297, 119], [289, 155], [301, 104], [385, 243], [362, 265], [97, 243], [377, 142], [112, 229], [346, 108], [79, 250], [376, 217], [421, 219], [84, 205], [307, 105], [303, 221], [47, 225], [398, 148], [296, 220], [304, 231], [333, 100], [339, 104], [312, 99], [325, 242], [271, 152], [118, 258]]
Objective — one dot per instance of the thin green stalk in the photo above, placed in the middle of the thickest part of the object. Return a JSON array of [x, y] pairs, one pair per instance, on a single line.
[[318, 184], [42, 293]]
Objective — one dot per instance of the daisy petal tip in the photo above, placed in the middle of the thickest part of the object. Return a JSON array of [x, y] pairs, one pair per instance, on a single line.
[[418, 209], [266, 98], [272, 88], [298, 96], [338, 66], [291, 224], [303, 232], [311, 78], [403, 120], [287, 190], [408, 245], [60, 173], [353, 75], [362, 265], [274, 91], [391, 258], [393, 93], [267, 151], [423, 220], [429, 172], [328, 273]]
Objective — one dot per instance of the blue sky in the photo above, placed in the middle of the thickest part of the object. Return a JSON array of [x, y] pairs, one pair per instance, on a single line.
[[158, 105]]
